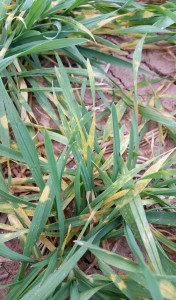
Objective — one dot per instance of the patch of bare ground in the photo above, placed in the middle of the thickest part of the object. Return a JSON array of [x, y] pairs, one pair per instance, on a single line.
[[9, 268], [162, 68]]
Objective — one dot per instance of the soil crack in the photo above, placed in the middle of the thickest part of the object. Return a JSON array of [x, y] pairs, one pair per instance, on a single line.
[[119, 79]]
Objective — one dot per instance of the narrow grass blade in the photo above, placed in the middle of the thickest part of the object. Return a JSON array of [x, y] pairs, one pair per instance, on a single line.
[[116, 279], [110, 257], [89, 293], [56, 181], [44, 46], [22, 136], [136, 63], [91, 80], [135, 217], [43, 292], [151, 280], [6, 252], [116, 146], [74, 294], [4, 130], [67, 89]]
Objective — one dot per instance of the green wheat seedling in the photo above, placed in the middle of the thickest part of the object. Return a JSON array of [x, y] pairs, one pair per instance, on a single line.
[[85, 184]]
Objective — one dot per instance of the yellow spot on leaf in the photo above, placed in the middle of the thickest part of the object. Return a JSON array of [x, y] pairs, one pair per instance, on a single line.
[[45, 195], [90, 141], [7, 235], [7, 7], [148, 14], [4, 123], [122, 285], [105, 22], [3, 52], [116, 196], [167, 289], [112, 277], [47, 243], [83, 140], [137, 64]]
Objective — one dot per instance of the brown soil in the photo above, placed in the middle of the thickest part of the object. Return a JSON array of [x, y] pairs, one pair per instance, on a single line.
[[8, 267]]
